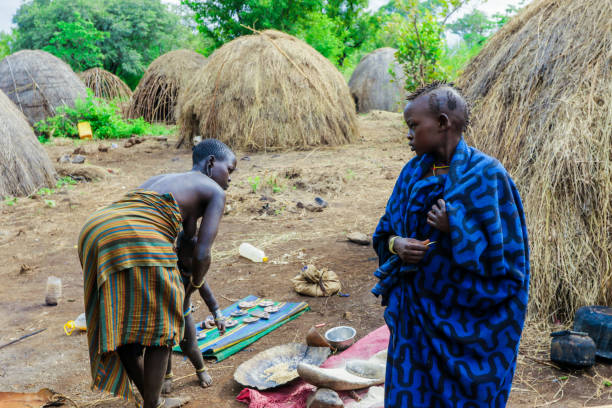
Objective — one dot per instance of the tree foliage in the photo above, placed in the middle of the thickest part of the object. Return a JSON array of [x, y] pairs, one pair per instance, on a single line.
[[77, 43], [224, 20], [5, 43], [137, 31], [335, 28], [421, 42]]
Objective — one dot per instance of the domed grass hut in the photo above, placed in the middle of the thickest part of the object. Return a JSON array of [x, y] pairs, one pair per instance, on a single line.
[[157, 92], [105, 84], [38, 83], [372, 85], [268, 91], [542, 104], [24, 164]]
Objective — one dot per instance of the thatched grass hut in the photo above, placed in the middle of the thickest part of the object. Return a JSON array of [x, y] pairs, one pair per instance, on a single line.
[[268, 91], [24, 164], [39, 82], [542, 94], [105, 84], [372, 85], [156, 95]]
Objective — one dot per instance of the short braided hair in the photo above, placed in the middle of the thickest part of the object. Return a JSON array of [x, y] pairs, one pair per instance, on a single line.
[[436, 100]]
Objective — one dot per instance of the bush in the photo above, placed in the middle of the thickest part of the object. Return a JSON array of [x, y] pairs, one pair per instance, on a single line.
[[103, 116]]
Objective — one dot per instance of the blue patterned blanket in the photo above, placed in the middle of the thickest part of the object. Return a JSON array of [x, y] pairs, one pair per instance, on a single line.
[[456, 317]]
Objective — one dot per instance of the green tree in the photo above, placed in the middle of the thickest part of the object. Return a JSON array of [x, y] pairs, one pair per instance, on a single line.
[[77, 43], [322, 33], [138, 30], [355, 25], [421, 44], [222, 21], [335, 28], [474, 27], [5, 43]]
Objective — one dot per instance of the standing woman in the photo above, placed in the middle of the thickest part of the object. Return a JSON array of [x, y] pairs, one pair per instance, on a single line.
[[453, 265]]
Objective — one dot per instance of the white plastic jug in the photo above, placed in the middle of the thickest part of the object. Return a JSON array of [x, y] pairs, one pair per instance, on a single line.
[[252, 253]]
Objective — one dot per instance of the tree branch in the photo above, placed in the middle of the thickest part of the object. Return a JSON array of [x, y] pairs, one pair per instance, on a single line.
[[461, 4]]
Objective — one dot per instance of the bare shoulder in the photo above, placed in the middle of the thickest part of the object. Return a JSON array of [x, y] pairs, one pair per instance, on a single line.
[[207, 187]]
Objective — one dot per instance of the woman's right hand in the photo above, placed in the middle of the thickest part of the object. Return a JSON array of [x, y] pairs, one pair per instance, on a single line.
[[410, 250]]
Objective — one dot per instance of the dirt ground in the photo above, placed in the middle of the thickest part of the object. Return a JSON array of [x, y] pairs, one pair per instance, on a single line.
[[38, 239]]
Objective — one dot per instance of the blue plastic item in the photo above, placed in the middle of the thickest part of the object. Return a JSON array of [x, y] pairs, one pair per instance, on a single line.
[[597, 322]]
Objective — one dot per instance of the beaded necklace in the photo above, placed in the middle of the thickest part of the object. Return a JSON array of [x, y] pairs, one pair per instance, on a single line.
[[438, 168]]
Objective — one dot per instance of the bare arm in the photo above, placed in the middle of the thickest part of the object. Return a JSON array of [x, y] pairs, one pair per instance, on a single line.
[[209, 298], [206, 235]]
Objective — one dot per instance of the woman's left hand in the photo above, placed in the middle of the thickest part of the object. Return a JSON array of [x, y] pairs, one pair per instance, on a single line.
[[438, 217]]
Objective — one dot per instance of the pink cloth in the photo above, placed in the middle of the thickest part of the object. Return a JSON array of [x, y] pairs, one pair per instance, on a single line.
[[295, 394]]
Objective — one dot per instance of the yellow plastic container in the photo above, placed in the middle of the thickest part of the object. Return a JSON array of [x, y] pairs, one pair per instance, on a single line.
[[79, 323], [85, 130]]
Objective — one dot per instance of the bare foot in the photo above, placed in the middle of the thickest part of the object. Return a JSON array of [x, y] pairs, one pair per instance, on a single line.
[[173, 402], [167, 386], [205, 379]]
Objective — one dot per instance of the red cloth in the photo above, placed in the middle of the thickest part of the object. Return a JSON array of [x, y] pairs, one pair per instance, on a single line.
[[295, 394]]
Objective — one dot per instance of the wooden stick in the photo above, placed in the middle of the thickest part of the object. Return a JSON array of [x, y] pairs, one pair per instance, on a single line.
[[21, 338], [229, 299], [537, 360]]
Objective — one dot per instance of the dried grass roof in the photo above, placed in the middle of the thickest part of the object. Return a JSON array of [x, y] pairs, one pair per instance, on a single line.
[[39, 82], [24, 164], [542, 92], [156, 95], [268, 91], [105, 84], [372, 85]]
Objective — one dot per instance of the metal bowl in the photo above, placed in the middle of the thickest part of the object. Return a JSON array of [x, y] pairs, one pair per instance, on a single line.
[[341, 337]]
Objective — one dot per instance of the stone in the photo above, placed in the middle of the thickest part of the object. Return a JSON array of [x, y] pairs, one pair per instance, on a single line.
[[358, 238], [78, 159], [80, 150], [65, 158], [324, 398], [313, 208], [102, 148]]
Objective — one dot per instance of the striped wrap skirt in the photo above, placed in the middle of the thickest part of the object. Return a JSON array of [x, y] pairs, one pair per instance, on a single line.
[[133, 289]]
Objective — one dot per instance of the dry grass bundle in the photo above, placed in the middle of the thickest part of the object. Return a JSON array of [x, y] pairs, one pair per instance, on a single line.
[[372, 85], [39, 82], [105, 84], [268, 91], [156, 95], [24, 164], [542, 93]]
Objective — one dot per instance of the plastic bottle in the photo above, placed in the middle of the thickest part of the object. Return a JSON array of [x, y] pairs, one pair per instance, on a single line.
[[54, 290], [79, 323], [252, 253]]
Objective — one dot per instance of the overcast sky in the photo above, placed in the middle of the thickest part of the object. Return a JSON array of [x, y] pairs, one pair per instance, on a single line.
[[8, 8]]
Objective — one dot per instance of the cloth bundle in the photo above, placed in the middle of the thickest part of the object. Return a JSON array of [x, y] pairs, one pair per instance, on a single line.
[[316, 282]]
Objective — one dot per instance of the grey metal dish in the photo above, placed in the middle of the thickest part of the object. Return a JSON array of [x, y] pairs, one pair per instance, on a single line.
[[341, 337], [265, 370]]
